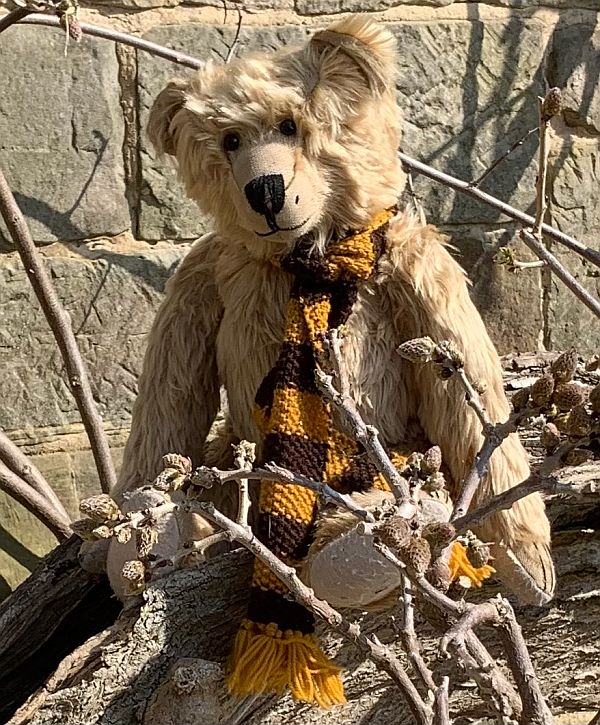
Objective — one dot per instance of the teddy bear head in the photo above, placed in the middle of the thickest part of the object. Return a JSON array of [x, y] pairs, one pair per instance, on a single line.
[[301, 141]]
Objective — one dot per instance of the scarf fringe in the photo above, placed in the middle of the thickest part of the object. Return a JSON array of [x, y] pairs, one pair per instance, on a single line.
[[461, 566], [265, 659]]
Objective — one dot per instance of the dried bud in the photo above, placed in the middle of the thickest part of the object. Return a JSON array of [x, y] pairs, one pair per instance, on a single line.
[[438, 533], [595, 399], [478, 553], [520, 399], [417, 350], [417, 555], [75, 30], [134, 574], [579, 422], [542, 389], [145, 538], [414, 461], [84, 528], [123, 535], [480, 386], [549, 436], [568, 395], [552, 104], [179, 463], [100, 508], [395, 533], [439, 576], [435, 482], [431, 461], [593, 363], [565, 365], [561, 421], [102, 532], [577, 457]]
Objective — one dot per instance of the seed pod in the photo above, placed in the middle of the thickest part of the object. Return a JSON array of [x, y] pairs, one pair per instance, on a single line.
[[568, 395], [579, 422], [431, 461], [181, 464], [417, 350], [565, 365], [578, 456], [100, 508], [478, 553], [102, 532], [123, 535], [438, 533], [145, 538], [439, 576], [520, 399], [395, 533], [435, 482], [549, 436], [595, 399], [561, 421], [542, 389], [417, 555], [134, 575], [552, 104]]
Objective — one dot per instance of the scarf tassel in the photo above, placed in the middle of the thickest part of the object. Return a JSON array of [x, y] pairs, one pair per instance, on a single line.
[[265, 659]]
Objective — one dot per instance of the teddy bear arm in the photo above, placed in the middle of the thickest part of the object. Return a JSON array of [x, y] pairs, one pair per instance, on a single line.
[[430, 283], [178, 388]]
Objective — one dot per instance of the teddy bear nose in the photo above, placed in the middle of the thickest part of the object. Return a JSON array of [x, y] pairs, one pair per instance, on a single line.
[[266, 194]]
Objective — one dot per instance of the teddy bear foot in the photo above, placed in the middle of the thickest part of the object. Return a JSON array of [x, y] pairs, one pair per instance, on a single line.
[[526, 568]]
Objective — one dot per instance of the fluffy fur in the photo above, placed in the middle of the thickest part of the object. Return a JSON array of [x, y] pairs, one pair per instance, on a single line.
[[222, 319]]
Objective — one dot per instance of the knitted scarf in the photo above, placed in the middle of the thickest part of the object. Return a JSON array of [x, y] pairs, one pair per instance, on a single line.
[[276, 647]]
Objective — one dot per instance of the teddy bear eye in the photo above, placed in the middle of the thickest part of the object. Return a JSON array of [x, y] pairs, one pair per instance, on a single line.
[[288, 127], [231, 142]]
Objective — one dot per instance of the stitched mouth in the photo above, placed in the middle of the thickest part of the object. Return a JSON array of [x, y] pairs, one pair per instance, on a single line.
[[281, 229]]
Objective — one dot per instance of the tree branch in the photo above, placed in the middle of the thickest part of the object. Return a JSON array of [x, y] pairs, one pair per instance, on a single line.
[[60, 325]]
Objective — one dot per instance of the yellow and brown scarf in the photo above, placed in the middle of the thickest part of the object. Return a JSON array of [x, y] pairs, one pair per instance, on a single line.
[[276, 647]]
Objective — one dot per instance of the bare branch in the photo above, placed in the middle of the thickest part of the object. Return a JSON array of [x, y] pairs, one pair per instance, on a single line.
[[13, 17], [12, 456], [236, 37], [381, 655], [441, 708], [35, 503], [561, 272], [60, 324], [501, 158], [409, 637]]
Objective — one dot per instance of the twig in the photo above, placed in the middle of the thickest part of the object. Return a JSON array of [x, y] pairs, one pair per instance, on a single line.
[[409, 637], [441, 708], [271, 472], [13, 17], [117, 37], [12, 456], [35, 503], [365, 435], [382, 656], [236, 37], [540, 198], [589, 254], [501, 158], [243, 457], [61, 327], [561, 272]]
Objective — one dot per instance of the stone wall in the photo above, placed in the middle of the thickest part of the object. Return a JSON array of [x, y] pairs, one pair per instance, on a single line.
[[113, 223]]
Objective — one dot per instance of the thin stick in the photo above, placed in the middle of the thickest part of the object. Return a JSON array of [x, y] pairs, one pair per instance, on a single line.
[[117, 37], [243, 457], [382, 656], [561, 272], [34, 502], [236, 37], [63, 332], [409, 637], [12, 456], [589, 254], [13, 17], [501, 158], [540, 198], [441, 707]]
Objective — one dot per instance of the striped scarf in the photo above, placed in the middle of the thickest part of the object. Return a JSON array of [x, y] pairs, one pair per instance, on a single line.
[[276, 647]]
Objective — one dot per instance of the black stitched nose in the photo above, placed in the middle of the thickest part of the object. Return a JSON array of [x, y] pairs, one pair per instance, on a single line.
[[266, 194]]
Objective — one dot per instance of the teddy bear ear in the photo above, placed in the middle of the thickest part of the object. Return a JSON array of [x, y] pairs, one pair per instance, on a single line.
[[356, 44], [160, 123]]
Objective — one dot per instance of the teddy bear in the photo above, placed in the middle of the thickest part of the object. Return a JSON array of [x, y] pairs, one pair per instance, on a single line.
[[293, 154]]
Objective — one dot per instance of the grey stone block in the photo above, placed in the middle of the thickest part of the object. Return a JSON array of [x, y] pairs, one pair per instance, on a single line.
[[510, 303], [112, 295], [61, 134], [468, 91], [575, 209]]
